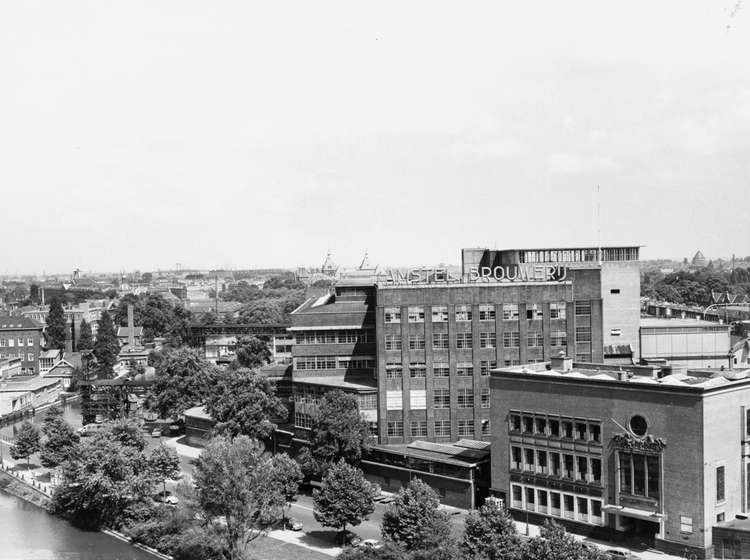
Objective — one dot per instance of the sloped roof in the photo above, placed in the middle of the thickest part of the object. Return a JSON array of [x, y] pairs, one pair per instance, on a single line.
[[125, 331], [19, 322]]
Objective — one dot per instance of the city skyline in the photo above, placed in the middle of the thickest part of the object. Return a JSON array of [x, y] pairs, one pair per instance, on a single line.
[[247, 135]]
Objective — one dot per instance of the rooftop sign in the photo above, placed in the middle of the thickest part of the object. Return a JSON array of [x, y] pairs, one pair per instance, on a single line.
[[507, 273]]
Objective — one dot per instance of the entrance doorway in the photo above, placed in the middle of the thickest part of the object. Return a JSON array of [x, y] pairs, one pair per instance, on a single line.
[[641, 532]]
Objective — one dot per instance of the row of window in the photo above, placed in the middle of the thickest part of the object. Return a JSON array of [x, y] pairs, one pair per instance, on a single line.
[[441, 398], [29, 357], [546, 425], [354, 336], [510, 312], [394, 370], [442, 428], [580, 468], [334, 362], [511, 339], [312, 394], [557, 504], [16, 341]]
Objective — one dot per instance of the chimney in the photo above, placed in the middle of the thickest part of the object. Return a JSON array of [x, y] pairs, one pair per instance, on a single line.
[[131, 328], [561, 362]]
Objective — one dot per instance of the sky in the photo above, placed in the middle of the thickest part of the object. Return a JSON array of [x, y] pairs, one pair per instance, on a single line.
[[142, 134]]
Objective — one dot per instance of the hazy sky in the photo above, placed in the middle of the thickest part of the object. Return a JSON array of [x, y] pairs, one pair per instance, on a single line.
[[261, 134]]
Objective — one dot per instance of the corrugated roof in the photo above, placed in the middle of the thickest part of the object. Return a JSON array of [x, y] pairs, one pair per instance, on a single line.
[[447, 449], [473, 444]]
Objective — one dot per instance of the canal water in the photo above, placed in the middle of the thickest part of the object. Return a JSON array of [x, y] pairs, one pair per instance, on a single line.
[[30, 533]]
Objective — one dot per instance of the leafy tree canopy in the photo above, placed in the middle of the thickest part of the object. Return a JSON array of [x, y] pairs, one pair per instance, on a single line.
[[554, 543], [183, 379], [345, 497], [243, 401], [490, 533], [251, 352], [85, 337], [27, 442], [414, 519], [61, 439], [57, 328], [165, 463], [106, 347]]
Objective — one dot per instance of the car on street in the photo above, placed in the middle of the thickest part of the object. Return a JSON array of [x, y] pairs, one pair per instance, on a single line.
[[619, 553], [166, 498], [156, 433], [292, 523], [347, 538], [371, 543]]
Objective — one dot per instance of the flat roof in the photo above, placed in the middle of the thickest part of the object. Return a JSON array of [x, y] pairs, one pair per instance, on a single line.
[[657, 323], [336, 382]]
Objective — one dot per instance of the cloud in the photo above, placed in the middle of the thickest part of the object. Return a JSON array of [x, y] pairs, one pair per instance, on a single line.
[[489, 150]]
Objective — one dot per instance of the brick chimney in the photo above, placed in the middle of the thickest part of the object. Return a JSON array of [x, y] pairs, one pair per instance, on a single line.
[[131, 328], [561, 362]]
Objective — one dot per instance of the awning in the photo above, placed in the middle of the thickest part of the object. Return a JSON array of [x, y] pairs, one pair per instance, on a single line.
[[332, 328], [631, 512]]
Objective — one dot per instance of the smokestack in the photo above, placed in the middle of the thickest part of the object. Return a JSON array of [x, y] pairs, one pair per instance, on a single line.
[[131, 328]]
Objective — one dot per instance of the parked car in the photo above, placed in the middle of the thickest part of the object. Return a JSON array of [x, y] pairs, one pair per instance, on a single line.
[[166, 498], [292, 523], [371, 543], [618, 553], [91, 429], [156, 432], [591, 547], [347, 537]]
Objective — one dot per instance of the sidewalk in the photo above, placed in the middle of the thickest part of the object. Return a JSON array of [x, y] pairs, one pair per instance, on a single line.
[[183, 449]]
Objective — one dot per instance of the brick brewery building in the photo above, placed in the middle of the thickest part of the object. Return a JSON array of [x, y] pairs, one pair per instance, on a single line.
[[417, 346], [626, 452]]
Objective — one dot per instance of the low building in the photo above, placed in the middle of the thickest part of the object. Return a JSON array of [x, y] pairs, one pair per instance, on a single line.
[[198, 425], [43, 391], [10, 367], [21, 337], [624, 453], [689, 342], [49, 359], [15, 402]]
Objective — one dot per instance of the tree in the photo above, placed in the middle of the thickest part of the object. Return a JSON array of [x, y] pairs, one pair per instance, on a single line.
[[339, 431], [414, 519], [244, 401], [165, 463], [61, 439], [252, 352], [490, 533], [183, 379], [102, 481], [234, 480], [345, 497], [287, 478], [106, 347], [126, 431], [85, 337], [389, 551], [26, 443], [554, 543], [262, 311], [57, 327]]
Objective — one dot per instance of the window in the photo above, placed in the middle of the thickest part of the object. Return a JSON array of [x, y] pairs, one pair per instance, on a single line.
[[463, 313], [534, 339], [533, 312], [615, 332], [530, 501], [720, 484], [487, 340], [557, 310], [356, 362], [417, 369], [511, 339], [439, 313], [393, 342], [29, 342], [517, 496], [486, 365], [568, 466], [316, 362], [11, 342], [466, 427], [595, 433], [441, 369], [541, 426], [394, 400], [510, 362], [466, 398], [395, 429], [583, 509], [583, 308], [416, 314], [486, 312], [581, 430], [440, 341], [567, 429], [392, 314], [640, 475], [582, 471], [442, 398], [554, 500], [515, 423], [686, 524], [20, 341], [554, 464], [393, 370], [568, 506], [583, 357], [463, 340], [302, 420], [596, 470], [442, 428], [583, 334], [419, 428], [510, 311], [2, 343], [368, 401], [486, 427], [541, 461], [528, 425], [528, 460], [416, 342], [554, 427], [30, 357], [614, 291], [464, 369], [485, 398]]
